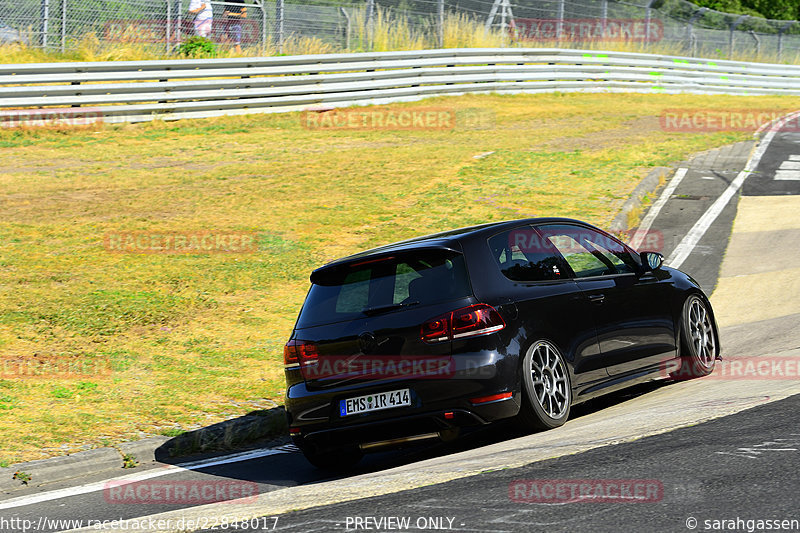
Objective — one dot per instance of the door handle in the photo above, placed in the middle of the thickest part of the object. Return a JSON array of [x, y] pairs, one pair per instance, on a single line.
[[597, 298]]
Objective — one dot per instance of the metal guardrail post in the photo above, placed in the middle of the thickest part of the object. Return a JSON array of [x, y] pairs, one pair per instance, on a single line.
[[492, 13], [168, 33], [45, 21], [734, 25], [647, 16], [781, 31], [63, 26], [263, 9], [440, 22], [503, 23], [368, 22], [690, 28], [757, 40], [279, 15], [347, 29], [178, 18]]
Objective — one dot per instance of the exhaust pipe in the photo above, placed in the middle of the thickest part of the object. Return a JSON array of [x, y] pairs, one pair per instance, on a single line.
[[368, 446]]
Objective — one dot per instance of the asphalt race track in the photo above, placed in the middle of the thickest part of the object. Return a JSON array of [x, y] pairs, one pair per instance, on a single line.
[[705, 472], [719, 448]]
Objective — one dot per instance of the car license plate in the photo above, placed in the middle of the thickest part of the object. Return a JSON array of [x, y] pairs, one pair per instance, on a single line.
[[375, 402]]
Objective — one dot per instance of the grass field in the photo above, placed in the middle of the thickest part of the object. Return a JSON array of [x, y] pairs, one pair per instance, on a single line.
[[192, 339]]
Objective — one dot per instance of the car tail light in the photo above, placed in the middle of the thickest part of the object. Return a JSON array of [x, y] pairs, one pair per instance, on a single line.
[[302, 352], [492, 398], [436, 329], [471, 321]]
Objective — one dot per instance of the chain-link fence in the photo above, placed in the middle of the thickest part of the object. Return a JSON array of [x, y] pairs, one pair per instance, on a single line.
[[287, 26]]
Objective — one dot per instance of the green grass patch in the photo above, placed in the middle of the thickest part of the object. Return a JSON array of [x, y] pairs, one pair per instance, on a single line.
[[192, 339]]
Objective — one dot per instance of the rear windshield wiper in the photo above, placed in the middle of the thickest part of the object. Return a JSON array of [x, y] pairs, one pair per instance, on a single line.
[[385, 308]]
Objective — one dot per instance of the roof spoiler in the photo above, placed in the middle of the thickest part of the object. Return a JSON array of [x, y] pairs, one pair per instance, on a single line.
[[385, 254]]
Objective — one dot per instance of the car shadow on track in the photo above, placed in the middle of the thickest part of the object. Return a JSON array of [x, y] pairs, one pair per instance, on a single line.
[[289, 469], [500, 431]]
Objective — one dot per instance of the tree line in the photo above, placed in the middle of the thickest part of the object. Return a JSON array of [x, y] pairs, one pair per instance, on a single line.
[[770, 9]]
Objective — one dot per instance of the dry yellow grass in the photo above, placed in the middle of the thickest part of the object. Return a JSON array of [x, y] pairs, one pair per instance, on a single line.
[[387, 32], [191, 339]]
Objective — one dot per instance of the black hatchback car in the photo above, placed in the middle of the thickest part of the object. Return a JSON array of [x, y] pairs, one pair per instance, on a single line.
[[418, 339]]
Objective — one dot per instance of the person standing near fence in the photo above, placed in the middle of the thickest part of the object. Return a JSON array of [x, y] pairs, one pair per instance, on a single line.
[[234, 17], [203, 17]]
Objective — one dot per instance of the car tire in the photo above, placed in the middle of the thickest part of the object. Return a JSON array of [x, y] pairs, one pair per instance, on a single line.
[[546, 388], [333, 459], [698, 340]]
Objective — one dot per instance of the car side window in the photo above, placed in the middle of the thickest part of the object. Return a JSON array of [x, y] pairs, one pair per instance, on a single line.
[[617, 255], [520, 255], [582, 262], [588, 252]]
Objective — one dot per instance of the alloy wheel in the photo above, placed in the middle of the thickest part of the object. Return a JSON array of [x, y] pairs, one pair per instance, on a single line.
[[701, 333], [549, 379]]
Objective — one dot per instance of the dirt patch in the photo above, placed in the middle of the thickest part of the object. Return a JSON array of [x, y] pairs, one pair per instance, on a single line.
[[171, 162], [600, 140], [11, 166]]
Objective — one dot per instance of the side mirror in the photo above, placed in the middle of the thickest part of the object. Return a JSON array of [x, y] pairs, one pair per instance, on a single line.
[[651, 260]]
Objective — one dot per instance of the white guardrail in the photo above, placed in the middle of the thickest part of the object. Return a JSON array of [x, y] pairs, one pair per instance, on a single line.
[[134, 91]]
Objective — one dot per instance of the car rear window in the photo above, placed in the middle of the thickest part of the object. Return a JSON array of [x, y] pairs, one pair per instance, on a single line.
[[384, 284]]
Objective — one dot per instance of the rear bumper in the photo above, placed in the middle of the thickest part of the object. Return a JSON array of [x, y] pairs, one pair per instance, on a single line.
[[438, 406], [372, 435]]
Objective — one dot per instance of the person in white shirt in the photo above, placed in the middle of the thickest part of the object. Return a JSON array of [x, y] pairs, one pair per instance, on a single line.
[[204, 16]]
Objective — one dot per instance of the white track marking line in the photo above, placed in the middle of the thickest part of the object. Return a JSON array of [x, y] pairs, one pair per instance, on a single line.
[[651, 215], [795, 157], [685, 247], [131, 478], [790, 165], [787, 175]]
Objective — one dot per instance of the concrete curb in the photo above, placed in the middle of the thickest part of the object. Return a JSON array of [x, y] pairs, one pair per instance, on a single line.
[[143, 451], [648, 185], [224, 435], [61, 468]]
